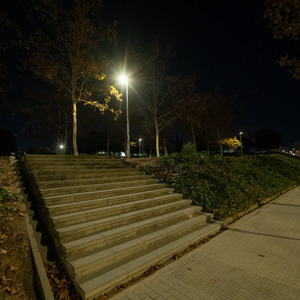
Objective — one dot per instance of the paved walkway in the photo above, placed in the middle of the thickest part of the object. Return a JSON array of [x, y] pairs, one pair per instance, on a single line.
[[258, 257]]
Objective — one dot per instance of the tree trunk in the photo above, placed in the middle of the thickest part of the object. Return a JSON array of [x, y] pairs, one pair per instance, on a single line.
[[207, 145], [165, 148], [75, 150], [220, 144], [107, 144], [156, 137], [66, 135], [193, 134]]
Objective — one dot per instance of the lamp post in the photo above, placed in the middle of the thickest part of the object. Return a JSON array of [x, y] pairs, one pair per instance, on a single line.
[[241, 142], [124, 79], [140, 140], [61, 149]]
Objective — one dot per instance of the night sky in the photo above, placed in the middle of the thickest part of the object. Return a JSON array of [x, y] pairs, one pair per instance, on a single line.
[[228, 45]]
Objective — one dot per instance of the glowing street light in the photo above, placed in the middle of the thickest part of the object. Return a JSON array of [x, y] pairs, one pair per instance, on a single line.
[[123, 79], [241, 142]]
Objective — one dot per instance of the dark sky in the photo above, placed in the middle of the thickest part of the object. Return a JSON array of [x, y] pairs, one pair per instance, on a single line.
[[228, 45]]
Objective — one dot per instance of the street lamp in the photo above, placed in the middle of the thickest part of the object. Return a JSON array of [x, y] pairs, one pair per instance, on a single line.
[[140, 140], [123, 79], [241, 142]]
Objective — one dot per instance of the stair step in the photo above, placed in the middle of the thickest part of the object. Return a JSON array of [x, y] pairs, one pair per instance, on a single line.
[[96, 262], [84, 174], [81, 247], [67, 234], [59, 209], [38, 158], [84, 216], [94, 187], [98, 213], [59, 199], [78, 168], [97, 180], [92, 286]]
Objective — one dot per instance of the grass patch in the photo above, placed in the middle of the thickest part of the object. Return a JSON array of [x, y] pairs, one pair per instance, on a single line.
[[6, 197], [226, 186]]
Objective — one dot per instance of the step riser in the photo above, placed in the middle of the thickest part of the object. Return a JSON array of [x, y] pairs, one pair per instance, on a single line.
[[81, 206], [41, 164], [99, 194], [112, 256], [32, 158], [109, 223], [94, 188], [76, 168], [47, 176], [96, 214], [85, 247], [70, 183]]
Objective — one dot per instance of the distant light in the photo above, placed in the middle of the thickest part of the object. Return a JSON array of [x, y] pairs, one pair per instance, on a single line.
[[140, 140], [241, 132], [61, 146], [122, 154], [123, 79]]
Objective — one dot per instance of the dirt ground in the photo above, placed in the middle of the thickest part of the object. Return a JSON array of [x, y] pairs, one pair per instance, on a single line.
[[16, 272]]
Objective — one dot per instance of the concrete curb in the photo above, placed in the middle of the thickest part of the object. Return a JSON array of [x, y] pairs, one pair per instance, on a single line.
[[41, 276], [44, 285]]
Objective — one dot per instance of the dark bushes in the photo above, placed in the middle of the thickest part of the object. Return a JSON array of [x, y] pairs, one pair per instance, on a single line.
[[226, 185]]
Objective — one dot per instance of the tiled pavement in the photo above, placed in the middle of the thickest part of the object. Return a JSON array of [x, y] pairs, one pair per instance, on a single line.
[[258, 257]]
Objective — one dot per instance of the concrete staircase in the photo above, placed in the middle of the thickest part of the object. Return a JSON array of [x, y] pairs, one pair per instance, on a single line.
[[109, 221]]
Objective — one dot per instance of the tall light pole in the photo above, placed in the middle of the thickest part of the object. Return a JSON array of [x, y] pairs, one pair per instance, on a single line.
[[61, 149], [140, 140], [241, 142], [123, 79]]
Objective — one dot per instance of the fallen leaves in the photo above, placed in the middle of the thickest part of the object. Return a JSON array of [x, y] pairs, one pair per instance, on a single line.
[[61, 286]]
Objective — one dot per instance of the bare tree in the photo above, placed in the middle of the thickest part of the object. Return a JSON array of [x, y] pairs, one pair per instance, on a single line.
[[155, 89]]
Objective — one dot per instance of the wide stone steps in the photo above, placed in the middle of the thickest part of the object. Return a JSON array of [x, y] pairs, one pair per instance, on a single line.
[[39, 160], [155, 195], [96, 262], [44, 175], [59, 199], [100, 213], [47, 192], [89, 286], [91, 243], [97, 180], [110, 222], [68, 233]]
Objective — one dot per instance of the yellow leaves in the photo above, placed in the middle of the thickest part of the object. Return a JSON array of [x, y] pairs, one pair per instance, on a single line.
[[114, 92], [101, 76], [233, 143]]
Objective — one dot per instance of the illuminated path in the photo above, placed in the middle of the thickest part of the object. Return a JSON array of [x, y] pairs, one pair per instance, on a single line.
[[258, 257]]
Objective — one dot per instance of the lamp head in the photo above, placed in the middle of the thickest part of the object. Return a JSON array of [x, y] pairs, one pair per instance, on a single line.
[[123, 78]]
